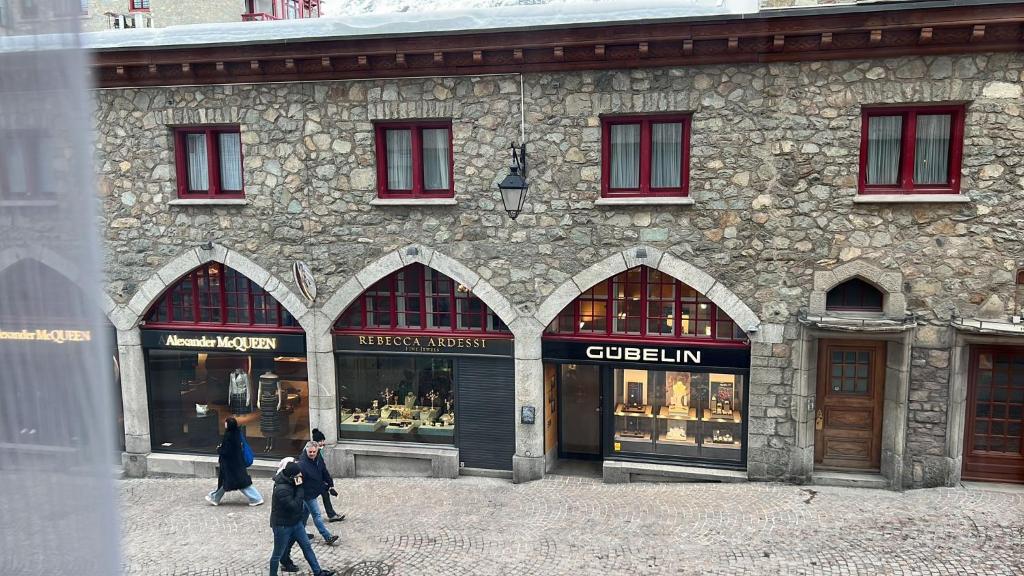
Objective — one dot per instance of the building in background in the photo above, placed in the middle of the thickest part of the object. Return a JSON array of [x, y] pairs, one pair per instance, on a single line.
[[782, 246], [100, 15]]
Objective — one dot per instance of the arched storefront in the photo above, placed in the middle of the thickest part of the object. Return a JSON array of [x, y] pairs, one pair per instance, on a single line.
[[643, 367], [50, 329], [216, 344], [421, 361]]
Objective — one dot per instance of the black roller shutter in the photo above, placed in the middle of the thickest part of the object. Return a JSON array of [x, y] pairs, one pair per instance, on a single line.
[[485, 409]]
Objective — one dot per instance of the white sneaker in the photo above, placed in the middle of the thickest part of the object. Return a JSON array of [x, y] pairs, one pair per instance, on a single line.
[[255, 503], [214, 502]]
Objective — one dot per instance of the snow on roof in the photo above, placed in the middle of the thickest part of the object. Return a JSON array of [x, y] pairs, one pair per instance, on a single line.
[[379, 25]]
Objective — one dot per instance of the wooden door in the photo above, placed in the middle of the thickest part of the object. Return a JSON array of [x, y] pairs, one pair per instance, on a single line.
[[848, 410], [993, 447]]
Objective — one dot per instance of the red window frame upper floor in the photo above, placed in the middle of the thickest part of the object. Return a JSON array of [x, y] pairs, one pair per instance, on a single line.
[[214, 189], [705, 312], [412, 284], [418, 190], [138, 5], [908, 146], [279, 10], [646, 145], [210, 290]]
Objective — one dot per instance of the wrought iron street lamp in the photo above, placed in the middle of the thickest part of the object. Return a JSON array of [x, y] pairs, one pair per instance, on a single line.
[[514, 187]]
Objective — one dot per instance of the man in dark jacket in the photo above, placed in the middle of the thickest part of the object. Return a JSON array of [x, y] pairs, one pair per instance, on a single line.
[[332, 516], [287, 512], [317, 481]]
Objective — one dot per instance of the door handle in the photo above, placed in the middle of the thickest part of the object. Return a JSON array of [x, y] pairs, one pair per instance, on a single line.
[[819, 420]]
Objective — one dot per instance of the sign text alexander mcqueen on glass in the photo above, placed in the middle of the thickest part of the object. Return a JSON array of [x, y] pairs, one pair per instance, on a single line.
[[54, 336], [239, 343], [637, 354]]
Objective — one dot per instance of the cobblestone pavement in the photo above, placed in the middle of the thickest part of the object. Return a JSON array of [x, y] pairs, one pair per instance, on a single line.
[[570, 525]]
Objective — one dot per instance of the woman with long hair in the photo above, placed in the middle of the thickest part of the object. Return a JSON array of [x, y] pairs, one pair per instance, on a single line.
[[232, 474]]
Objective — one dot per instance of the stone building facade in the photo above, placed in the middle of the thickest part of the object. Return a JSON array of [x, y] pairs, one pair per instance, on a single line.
[[775, 222]]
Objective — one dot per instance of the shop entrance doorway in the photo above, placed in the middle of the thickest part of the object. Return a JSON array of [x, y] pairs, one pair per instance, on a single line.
[[579, 398], [848, 414]]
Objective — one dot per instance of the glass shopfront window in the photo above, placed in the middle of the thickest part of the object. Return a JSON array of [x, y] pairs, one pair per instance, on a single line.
[[397, 398], [678, 413], [191, 393]]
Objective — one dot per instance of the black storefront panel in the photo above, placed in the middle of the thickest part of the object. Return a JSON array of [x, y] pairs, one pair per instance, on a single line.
[[486, 412]]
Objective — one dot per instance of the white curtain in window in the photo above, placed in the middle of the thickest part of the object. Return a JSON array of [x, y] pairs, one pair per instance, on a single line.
[[399, 146], [666, 155], [230, 161], [625, 156], [198, 175], [884, 136], [435, 159], [931, 155]]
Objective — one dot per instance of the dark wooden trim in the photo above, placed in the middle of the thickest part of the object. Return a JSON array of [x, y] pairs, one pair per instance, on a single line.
[[767, 38]]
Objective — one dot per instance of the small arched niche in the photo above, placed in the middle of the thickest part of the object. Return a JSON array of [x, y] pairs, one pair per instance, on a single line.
[[854, 295]]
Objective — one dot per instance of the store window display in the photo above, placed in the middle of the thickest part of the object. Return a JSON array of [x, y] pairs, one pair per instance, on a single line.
[[676, 413], [405, 399]]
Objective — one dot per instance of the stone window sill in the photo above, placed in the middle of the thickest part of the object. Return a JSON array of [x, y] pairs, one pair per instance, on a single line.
[[209, 202], [649, 201], [413, 202], [911, 199]]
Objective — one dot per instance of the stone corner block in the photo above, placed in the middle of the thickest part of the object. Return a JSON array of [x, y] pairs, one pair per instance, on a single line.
[[422, 256], [825, 280], [652, 259], [527, 468], [134, 465], [769, 334]]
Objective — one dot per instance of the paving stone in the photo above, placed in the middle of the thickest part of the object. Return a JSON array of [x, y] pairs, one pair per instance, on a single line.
[[572, 525]]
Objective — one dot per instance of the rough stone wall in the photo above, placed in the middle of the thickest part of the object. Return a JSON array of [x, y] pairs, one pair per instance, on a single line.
[[774, 162]]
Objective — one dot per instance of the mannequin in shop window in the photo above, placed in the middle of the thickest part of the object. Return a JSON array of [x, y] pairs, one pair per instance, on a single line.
[[239, 392], [269, 401]]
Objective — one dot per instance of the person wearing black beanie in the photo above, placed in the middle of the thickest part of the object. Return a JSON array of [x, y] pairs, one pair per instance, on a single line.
[[287, 512]]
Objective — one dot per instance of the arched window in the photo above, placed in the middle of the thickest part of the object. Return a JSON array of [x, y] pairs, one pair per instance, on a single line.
[[645, 303], [419, 298], [854, 295], [216, 295]]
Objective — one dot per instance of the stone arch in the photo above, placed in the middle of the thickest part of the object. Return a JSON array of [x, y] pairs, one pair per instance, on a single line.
[[890, 283], [679, 269], [169, 273], [398, 259], [65, 268]]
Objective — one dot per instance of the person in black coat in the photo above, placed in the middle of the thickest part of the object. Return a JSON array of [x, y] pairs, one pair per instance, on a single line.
[[287, 514], [318, 480], [231, 474]]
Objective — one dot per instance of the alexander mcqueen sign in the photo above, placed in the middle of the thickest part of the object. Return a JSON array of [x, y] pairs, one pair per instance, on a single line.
[[237, 343], [276, 343], [424, 344], [621, 352], [57, 336]]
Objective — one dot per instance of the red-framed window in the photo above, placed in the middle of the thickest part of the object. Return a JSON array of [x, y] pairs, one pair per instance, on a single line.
[[280, 9], [215, 295], [854, 295], [645, 155], [138, 5], [419, 299], [209, 162], [1020, 277], [911, 150], [644, 303], [415, 160]]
